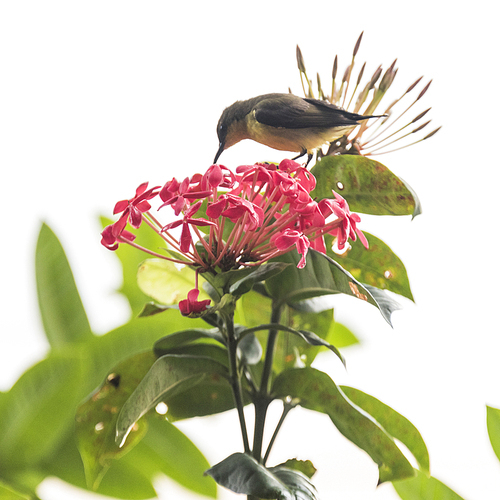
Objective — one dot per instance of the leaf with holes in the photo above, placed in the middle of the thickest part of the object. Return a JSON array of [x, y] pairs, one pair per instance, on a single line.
[[96, 417], [368, 186], [322, 276], [171, 374], [377, 266]]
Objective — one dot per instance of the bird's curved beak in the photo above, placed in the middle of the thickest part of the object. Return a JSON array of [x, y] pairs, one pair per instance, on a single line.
[[219, 151]]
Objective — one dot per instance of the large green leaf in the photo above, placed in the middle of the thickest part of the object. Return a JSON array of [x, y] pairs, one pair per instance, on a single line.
[[9, 492], [422, 487], [493, 424], [368, 186], [167, 450], [243, 474], [171, 373], [322, 276], [122, 480], [61, 308], [96, 417], [38, 411], [317, 391], [394, 423], [377, 266]]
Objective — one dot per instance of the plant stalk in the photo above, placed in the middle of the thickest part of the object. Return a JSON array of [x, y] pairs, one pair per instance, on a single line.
[[263, 399], [234, 377]]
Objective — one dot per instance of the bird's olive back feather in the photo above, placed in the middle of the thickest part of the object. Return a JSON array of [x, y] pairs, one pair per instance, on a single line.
[[289, 111]]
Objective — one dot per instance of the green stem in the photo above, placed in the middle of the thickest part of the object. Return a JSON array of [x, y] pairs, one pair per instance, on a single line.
[[262, 399], [286, 408], [235, 380]]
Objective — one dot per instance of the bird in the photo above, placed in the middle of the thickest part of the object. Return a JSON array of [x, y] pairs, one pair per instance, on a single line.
[[285, 122]]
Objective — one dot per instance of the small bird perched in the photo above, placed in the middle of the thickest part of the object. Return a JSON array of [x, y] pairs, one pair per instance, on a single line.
[[285, 122]]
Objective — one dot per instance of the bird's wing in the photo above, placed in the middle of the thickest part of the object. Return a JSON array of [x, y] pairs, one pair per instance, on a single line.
[[294, 112]]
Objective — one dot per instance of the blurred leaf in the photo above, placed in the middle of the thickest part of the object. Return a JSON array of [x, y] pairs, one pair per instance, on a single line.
[[493, 424], [422, 487], [167, 450], [249, 350], [317, 391], [122, 480], [253, 309], [164, 282], [63, 315], [169, 373], [97, 416], [166, 344], [305, 466], [340, 336], [394, 423], [150, 309], [368, 186], [377, 266], [241, 473], [130, 259], [9, 492], [38, 412], [322, 276]]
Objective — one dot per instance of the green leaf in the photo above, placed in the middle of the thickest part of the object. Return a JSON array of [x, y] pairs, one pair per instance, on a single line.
[[322, 276], [166, 344], [63, 315], [38, 411], [310, 337], [130, 259], [317, 391], [241, 473], [165, 449], [170, 373], [394, 423], [9, 492], [377, 266], [297, 482], [368, 186], [264, 272], [493, 424], [340, 336], [422, 487], [249, 350], [96, 417], [123, 479], [164, 282], [305, 466], [150, 309], [291, 351]]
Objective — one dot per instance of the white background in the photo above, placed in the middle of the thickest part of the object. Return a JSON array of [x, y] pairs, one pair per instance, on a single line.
[[99, 96]]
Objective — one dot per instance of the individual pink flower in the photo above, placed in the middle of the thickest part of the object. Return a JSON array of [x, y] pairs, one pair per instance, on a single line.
[[111, 240], [134, 208], [186, 238], [347, 227], [181, 195], [289, 237], [191, 305]]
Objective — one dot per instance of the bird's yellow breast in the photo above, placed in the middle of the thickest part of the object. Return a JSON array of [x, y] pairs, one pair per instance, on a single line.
[[288, 139]]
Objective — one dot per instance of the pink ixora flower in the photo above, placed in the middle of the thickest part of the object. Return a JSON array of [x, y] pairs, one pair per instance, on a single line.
[[191, 305], [225, 220]]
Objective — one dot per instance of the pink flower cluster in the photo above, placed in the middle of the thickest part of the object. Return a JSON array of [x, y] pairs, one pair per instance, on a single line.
[[228, 220]]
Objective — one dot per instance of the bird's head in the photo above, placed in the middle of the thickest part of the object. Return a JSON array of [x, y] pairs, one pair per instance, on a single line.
[[232, 126]]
